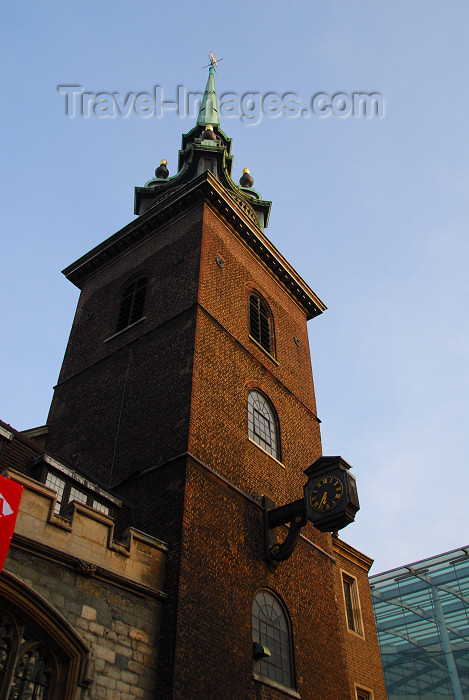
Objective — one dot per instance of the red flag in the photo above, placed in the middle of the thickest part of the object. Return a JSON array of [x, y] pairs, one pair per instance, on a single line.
[[10, 496]]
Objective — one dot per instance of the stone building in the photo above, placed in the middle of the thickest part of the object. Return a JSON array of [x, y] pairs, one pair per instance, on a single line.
[[79, 606], [184, 409]]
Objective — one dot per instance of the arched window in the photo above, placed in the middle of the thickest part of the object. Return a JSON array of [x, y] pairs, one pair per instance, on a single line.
[[27, 669], [260, 322], [271, 638], [262, 423], [41, 656], [132, 303]]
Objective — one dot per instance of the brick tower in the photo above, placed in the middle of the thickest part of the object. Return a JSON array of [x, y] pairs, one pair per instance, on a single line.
[[186, 390]]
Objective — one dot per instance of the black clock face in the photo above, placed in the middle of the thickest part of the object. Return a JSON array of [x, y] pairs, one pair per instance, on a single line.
[[326, 494]]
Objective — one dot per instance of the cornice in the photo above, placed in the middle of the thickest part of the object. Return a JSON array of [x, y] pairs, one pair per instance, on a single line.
[[83, 567], [346, 551], [7, 434], [204, 188]]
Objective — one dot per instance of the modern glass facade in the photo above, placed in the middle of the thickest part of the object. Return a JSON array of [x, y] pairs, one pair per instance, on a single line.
[[422, 619]]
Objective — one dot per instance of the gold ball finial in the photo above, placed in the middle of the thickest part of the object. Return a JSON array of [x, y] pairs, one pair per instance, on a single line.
[[246, 179], [162, 171], [208, 133]]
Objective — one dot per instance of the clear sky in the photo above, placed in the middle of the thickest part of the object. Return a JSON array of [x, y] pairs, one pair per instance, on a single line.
[[372, 212]]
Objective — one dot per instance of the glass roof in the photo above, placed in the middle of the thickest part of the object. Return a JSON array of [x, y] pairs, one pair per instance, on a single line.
[[422, 620]]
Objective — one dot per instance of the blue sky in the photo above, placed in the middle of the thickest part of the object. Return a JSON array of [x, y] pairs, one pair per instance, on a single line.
[[373, 213]]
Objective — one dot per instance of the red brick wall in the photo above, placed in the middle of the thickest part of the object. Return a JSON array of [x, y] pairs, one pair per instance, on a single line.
[[228, 364], [221, 571], [222, 563], [224, 293]]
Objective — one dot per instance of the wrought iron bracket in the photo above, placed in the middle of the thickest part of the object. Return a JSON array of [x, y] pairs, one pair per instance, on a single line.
[[292, 513]]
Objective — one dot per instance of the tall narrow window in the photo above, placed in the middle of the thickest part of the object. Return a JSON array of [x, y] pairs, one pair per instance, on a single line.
[[352, 604], [262, 424], [132, 303], [271, 639], [260, 322]]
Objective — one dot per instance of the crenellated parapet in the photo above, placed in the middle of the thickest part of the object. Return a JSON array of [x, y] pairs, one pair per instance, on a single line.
[[84, 541]]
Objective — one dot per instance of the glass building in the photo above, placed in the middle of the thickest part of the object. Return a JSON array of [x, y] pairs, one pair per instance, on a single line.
[[422, 619]]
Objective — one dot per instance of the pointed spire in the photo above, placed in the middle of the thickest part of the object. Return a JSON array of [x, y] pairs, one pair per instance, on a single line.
[[208, 113]]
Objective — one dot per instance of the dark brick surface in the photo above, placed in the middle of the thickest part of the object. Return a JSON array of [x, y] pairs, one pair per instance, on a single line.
[[142, 376]]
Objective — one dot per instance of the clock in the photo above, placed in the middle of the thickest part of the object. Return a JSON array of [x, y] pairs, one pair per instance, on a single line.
[[326, 493], [330, 502], [330, 494]]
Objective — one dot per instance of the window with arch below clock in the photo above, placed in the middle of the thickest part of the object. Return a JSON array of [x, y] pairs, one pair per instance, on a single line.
[[271, 636], [262, 423]]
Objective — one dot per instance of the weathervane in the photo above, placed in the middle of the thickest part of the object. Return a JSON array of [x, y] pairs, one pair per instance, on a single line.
[[213, 61]]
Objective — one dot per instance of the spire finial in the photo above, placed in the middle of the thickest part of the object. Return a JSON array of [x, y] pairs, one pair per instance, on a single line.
[[213, 62], [208, 113]]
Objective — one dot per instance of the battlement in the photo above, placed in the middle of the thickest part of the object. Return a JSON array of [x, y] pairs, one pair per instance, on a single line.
[[85, 540]]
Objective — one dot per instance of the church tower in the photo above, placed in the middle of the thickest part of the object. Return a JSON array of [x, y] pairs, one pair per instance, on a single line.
[[186, 391]]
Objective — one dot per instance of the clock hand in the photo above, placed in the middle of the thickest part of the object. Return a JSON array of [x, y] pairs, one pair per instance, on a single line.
[[323, 499]]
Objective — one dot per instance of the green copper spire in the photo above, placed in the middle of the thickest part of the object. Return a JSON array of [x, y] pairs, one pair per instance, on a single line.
[[208, 113]]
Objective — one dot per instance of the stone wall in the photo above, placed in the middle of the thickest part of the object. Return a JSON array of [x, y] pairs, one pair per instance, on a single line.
[[110, 593]]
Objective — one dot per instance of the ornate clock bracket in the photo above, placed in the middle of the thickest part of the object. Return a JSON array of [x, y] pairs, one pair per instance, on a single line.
[[292, 513], [330, 503]]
